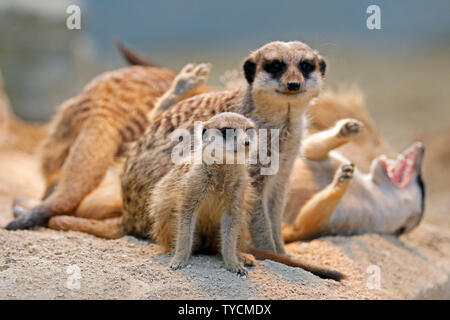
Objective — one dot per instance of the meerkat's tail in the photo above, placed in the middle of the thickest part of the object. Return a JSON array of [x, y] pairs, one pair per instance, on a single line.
[[132, 57], [318, 271], [108, 228]]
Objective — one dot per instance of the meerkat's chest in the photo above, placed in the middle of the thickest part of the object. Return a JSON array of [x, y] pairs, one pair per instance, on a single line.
[[210, 209]]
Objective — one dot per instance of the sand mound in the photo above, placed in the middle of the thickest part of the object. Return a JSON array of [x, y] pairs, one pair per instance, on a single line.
[[44, 264]]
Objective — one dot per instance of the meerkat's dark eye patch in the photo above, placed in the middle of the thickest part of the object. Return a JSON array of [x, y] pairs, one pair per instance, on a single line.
[[275, 68], [306, 67], [322, 66], [249, 71]]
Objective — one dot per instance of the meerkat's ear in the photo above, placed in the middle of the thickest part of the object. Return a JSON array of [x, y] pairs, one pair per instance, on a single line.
[[249, 70], [322, 65]]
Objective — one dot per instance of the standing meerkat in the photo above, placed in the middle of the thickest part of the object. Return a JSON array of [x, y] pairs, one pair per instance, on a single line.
[[91, 130], [204, 206], [282, 78]]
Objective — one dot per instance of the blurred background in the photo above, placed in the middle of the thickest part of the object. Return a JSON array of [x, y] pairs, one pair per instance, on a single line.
[[403, 69]]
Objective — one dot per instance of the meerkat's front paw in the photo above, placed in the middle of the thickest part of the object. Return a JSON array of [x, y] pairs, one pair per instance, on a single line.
[[237, 268], [349, 127], [344, 173], [178, 263], [191, 76]]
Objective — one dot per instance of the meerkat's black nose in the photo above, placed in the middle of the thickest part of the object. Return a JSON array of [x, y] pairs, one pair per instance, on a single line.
[[293, 86], [246, 143]]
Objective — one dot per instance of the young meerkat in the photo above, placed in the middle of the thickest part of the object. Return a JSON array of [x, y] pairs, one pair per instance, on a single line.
[[204, 206], [282, 78], [91, 130]]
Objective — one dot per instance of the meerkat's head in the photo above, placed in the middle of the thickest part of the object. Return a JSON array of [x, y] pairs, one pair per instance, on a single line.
[[401, 179], [230, 134], [284, 72]]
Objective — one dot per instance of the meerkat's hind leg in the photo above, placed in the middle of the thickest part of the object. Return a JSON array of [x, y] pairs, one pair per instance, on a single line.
[[317, 145], [315, 214], [82, 172]]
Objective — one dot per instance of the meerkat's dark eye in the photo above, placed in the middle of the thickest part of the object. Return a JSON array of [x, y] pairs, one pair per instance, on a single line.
[[223, 131], [275, 68], [306, 67]]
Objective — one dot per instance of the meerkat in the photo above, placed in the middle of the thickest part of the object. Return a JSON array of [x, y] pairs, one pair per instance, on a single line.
[[206, 203], [329, 195], [92, 129], [282, 78]]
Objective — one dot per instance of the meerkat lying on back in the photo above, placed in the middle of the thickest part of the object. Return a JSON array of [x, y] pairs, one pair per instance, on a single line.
[[206, 203], [329, 195]]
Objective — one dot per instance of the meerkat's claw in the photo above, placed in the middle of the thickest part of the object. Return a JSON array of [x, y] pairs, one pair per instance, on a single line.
[[349, 127], [175, 264], [237, 269], [187, 68], [345, 172]]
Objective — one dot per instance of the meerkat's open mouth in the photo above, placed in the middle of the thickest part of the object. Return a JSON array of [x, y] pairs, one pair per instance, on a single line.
[[401, 170]]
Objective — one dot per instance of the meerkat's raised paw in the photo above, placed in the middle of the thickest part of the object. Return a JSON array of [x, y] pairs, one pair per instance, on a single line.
[[349, 127], [344, 173], [191, 76]]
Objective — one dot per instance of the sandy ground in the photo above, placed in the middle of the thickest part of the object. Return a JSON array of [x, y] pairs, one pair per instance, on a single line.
[[38, 264]]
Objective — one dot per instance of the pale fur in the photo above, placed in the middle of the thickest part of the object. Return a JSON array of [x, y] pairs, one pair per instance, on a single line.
[[204, 206]]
